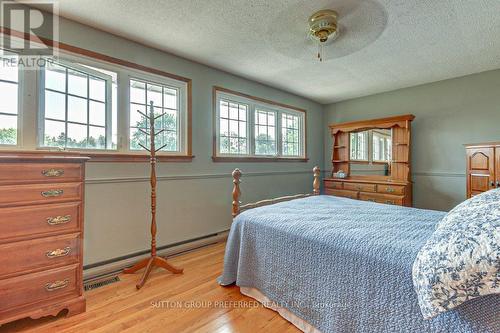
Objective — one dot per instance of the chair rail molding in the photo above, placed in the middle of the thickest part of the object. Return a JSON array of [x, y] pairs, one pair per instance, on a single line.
[[109, 180]]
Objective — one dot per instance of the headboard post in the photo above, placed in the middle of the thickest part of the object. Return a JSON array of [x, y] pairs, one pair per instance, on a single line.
[[236, 192], [316, 181]]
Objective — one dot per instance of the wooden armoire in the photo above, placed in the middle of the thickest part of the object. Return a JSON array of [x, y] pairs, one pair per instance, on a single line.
[[483, 167]]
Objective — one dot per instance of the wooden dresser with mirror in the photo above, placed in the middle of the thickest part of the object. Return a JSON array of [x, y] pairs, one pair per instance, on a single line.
[[371, 160], [41, 235]]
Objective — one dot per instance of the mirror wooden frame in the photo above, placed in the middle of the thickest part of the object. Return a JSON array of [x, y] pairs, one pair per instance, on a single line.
[[400, 164]]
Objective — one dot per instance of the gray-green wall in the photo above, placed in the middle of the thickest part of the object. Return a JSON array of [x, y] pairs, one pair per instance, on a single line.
[[194, 198], [448, 114]]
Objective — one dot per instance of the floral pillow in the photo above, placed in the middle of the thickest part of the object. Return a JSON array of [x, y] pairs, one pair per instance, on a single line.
[[461, 260], [478, 208]]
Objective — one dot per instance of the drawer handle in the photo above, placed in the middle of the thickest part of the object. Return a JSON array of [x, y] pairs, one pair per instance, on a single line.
[[389, 202], [358, 187], [58, 219], [389, 190], [52, 286], [58, 253], [52, 193], [53, 172]]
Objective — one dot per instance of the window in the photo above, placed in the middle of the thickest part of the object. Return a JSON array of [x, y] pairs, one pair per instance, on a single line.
[[168, 107], [252, 127], [88, 101], [233, 127], [290, 134], [265, 132], [9, 101], [75, 107]]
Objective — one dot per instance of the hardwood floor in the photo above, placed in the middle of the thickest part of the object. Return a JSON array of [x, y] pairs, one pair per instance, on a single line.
[[191, 302]]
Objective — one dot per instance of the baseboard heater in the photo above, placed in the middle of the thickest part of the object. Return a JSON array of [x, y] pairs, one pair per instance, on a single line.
[[103, 269]]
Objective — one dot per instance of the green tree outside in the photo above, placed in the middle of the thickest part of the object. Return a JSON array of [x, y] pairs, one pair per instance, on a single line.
[[8, 136]]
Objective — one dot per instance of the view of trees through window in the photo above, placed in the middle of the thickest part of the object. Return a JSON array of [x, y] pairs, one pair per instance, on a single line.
[[76, 104], [290, 131], [75, 108], [273, 131], [233, 127], [165, 105], [265, 132]]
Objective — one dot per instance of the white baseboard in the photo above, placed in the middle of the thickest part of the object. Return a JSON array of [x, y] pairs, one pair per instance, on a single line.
[[117, 266]]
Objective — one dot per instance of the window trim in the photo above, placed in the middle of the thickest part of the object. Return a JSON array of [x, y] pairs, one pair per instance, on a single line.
[[41, 106], [183, 102], [268, 105], [98, 156], [19, 115], [277, 130]]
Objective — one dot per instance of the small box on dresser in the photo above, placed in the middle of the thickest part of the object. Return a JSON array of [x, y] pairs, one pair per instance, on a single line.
[[41, 235]]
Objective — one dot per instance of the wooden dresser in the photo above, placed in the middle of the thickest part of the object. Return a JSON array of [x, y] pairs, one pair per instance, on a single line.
[[41, 236], [381, 191], [395, 186], [483, 167]]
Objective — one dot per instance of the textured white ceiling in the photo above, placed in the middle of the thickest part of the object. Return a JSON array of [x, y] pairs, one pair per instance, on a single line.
[[384, 45]]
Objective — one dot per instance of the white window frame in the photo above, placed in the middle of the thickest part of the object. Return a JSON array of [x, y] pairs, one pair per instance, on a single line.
[[41, 106], [182, 102], [20, 90], [277, 130], [301, 116], [249, 117], [252, 106], [30, 99]]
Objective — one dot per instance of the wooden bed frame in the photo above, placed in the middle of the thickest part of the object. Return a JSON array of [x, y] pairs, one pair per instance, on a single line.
[[238, 207]]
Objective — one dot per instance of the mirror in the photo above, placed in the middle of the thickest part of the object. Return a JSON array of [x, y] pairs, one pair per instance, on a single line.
[[370, 152]]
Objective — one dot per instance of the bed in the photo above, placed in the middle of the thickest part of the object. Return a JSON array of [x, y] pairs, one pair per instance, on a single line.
[[331, 264]]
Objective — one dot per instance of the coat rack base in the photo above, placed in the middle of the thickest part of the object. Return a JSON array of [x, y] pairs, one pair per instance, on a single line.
[[150, 263]]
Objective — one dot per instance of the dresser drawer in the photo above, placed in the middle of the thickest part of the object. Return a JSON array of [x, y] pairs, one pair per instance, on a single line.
[[382, 198], [29, 221], [360, 187], [39, 193], [39, 253], [17, 173], [333, 185], [391, 189], [342, 193], [38, 287]]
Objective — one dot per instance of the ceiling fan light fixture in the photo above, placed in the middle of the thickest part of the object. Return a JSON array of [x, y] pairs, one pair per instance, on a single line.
[[323, 27]]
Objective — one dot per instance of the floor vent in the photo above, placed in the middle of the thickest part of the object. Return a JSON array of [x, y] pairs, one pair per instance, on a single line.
[[100, 283]]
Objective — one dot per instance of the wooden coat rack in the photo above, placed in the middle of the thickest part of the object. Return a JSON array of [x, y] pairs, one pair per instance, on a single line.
[[153, 260]]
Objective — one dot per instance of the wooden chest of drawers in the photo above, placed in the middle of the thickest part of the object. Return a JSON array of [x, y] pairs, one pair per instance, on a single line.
[[386, 192], [41, 236]]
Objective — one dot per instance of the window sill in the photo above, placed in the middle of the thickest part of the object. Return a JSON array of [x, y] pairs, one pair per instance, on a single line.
[[230, 159], [100, 156]]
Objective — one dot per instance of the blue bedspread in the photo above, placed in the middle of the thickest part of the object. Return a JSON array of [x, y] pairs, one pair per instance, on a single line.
[[344, 265]]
